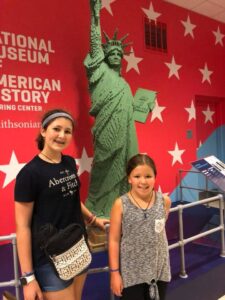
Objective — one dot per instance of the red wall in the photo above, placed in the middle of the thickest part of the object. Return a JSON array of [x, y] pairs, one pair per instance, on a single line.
[[61, 30]]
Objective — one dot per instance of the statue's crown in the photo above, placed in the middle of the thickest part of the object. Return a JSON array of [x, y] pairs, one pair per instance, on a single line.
[[114, 43]]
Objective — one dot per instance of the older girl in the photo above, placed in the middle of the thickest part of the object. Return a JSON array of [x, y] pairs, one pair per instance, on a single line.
[[47, 191]]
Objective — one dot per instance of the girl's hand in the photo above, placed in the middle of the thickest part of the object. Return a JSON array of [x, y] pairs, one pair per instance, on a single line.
[[32, 291], [101, 223], [116, 283]]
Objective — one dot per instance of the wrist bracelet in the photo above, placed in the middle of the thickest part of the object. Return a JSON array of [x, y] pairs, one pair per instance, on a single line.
[[28, 273], [91, 219], [24, 280], [114, 270]]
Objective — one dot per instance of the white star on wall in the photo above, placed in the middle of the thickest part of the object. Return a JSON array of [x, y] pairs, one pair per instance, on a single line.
[[84, 163], [208, 114], [173, 67], [200, 144], [191, 111], [160, 191], [11, 170], [206, 74], [189, 27], [176, 153], [151, 14], [132, 61], [156, 112], [219, 36], [107, 5]]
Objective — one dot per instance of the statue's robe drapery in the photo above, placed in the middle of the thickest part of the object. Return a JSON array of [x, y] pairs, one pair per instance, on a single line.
[[114, 134]]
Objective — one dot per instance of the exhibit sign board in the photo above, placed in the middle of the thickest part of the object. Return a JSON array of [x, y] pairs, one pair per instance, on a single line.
[[213, 169]]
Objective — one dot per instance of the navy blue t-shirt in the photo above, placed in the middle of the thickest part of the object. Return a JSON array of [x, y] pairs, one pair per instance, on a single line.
[[54, 189]]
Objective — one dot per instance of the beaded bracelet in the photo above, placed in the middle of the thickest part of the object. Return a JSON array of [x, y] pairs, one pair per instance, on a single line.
[[114, 270], [91, 219], [28, 273]]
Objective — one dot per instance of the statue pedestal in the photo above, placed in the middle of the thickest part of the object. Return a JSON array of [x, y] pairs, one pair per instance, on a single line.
[[97, 238]]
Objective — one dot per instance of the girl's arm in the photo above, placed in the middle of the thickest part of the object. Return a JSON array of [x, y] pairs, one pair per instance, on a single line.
[[114, 247], [91, 219], [167, 205], [23, 215]]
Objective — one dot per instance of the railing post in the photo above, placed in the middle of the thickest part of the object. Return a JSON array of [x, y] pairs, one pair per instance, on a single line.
[[206, 183], [112, 297], [180, 183], [221, 205], [15, 282], [183, 273], [15, 264]]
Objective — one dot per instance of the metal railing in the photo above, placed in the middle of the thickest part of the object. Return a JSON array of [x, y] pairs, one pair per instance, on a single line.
[[14, 282], [105, 268], [181, 186], [205, 187], [181, 243], [100, 270]]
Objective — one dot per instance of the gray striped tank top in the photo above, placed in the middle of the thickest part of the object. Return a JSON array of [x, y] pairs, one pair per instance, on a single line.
[[144, 254]]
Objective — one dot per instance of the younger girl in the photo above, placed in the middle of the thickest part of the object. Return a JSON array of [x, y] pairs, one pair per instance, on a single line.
[[138, 248]]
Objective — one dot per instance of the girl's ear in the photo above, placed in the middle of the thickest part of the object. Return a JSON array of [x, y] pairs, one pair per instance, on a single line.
[[129, 180], [42, 132]]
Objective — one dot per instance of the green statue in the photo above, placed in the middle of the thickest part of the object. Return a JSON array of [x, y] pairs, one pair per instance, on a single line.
[[114, 133]]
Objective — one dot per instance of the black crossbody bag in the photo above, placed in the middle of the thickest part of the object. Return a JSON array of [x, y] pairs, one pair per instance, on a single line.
[[66, 249]]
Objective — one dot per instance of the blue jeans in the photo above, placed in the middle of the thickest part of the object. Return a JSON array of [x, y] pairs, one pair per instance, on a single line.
[[48, 280]]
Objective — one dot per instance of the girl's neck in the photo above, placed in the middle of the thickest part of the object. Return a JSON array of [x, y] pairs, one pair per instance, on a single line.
[[142, 201], [51, 157], [142, 198]]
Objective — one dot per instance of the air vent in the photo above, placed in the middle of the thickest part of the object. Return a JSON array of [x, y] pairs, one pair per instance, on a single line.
[[155, 35]]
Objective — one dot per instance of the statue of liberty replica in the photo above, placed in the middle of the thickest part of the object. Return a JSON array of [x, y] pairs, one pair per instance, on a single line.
[[114, 133]]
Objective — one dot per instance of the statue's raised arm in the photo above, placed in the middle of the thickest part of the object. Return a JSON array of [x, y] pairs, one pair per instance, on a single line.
[[95, 34], [95, 6], [114, 134]]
